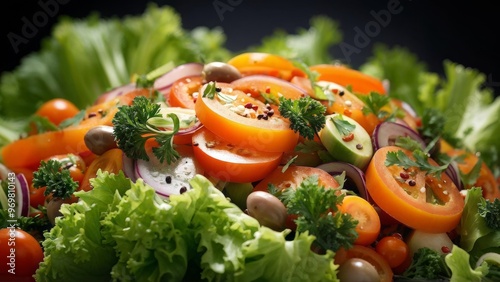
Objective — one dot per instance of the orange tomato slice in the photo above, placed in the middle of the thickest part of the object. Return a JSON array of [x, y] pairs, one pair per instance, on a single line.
[[361, 83], [262, 63], [226, 162], [240, 121], [426, 202], [111, 161], [486, 180], [368, 227], [182, 93]]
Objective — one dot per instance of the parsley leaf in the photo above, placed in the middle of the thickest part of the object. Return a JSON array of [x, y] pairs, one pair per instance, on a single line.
[[306, 115], [318, 214], [132, 127], [210, 90], [320, 93], [343, 126], [58, 181], [421, 162], [490, 211]]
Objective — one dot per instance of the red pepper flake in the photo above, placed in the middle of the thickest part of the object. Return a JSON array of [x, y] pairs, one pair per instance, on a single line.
[[348, 137], [248, 105], [445, 249], [347, 112], [404, 175], [268, 89]]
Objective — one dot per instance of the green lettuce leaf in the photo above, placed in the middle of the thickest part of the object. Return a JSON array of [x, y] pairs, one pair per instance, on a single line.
[[458, 262], [75, 249]]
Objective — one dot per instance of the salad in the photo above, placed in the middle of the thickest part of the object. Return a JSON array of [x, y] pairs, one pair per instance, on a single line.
[[262, 165]]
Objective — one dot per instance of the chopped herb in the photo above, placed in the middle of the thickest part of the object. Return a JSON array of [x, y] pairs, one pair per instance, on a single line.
[[490, 211], [421, 162], [470, 178], [132, 128], [318, 214], [43, 124], [408, 143], [270, 98], [343, 126], [77, 119], [306, 115], [321, 93], [210, 90], [55, 178], [285, 167]]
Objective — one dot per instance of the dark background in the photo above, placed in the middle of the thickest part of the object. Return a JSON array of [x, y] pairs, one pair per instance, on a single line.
[[466, 33]]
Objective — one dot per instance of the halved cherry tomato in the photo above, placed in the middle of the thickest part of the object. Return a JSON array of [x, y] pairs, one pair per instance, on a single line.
[[413, 197], [368, 254], [268, 64], [111, 161], [368, 227], [182, 93], [244, 121], [227, 162], [57, 110], [292, 177], [393, 249], [346, 103], [485, 180], [361, 83]]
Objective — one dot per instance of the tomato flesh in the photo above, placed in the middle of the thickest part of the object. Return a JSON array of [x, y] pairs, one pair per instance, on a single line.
[[227, 162], [262, 63], [425, 203]]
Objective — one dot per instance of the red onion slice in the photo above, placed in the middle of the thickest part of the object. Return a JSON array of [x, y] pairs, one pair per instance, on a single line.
[[115, 92], [181, 71], [385, 134], [355, 177], [128, 167], [22, 195], [454, 174]]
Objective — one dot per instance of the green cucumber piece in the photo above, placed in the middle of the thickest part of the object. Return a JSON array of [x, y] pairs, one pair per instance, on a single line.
[[357, 151], [3, 197]]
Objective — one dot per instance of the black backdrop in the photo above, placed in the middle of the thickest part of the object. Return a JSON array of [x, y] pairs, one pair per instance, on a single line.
[[466, 33]]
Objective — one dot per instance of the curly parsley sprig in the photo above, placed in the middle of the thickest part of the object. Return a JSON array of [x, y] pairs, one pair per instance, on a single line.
[[318, 214], [132, 127], [306, 115], [57, 180]]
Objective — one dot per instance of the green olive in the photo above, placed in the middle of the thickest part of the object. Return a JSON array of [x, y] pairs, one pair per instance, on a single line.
[[267, 209], [100, 139], [220, 72], [357, 270]]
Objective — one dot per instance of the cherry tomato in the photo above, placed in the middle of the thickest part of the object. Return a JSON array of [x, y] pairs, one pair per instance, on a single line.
[[19, 251], [57, 110], [182, 93], [368, 227], [224, 161], [422, 202], [111, 161], [393, 249], [73, 163], [244, 121], [37, 197]]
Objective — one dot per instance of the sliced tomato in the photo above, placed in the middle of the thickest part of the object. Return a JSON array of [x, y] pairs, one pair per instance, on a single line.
[[267, 64], [111, 161], [244, 121], [346, 103], [292, 177], [416, 199], [368, 254], [368, 227], [361, 83], [485, 179], [262, 85], [227, 162], [185, 91]]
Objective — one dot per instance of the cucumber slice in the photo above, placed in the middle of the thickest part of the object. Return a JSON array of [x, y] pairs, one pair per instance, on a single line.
[[357, 151]]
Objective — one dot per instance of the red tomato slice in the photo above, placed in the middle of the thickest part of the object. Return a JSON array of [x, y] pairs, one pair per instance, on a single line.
[[360, 82], [184, 92], [368, 227], [267, 64], [244, 121], [371, 256], [226, 162], [428, 204]]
